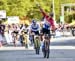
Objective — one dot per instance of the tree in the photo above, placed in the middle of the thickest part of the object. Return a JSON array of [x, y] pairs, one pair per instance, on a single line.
[[28, 8]]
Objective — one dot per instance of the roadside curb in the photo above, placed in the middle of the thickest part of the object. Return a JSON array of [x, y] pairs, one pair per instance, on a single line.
[[31, 48], [15, 48]]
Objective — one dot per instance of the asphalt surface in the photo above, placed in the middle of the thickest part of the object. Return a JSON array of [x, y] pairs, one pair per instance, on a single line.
[[60, 50], [29, 55]]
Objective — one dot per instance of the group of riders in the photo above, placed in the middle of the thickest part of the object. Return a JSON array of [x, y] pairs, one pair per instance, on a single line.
[[45, 31], [36, 36]]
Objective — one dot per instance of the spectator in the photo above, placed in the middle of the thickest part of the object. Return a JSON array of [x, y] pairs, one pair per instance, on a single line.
[[2, 28]]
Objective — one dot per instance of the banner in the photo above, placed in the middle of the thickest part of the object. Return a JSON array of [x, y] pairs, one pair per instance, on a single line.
[[2, 14], [13, 19]]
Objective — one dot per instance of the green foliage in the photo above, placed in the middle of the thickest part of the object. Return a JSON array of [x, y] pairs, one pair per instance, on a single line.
[[58, 9], [68, 18], [28, 7]]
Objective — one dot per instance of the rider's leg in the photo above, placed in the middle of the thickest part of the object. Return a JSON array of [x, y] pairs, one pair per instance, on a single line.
[[48, 53], [44, 53]]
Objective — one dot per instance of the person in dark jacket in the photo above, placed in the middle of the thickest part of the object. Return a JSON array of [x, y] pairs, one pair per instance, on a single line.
[[22, 38], [2, 29]]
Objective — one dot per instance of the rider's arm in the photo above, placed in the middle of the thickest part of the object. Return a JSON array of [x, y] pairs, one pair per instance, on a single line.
[[42, 11]]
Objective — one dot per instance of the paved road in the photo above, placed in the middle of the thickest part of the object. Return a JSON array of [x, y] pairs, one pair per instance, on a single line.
[[60, 51], [29, 55]]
